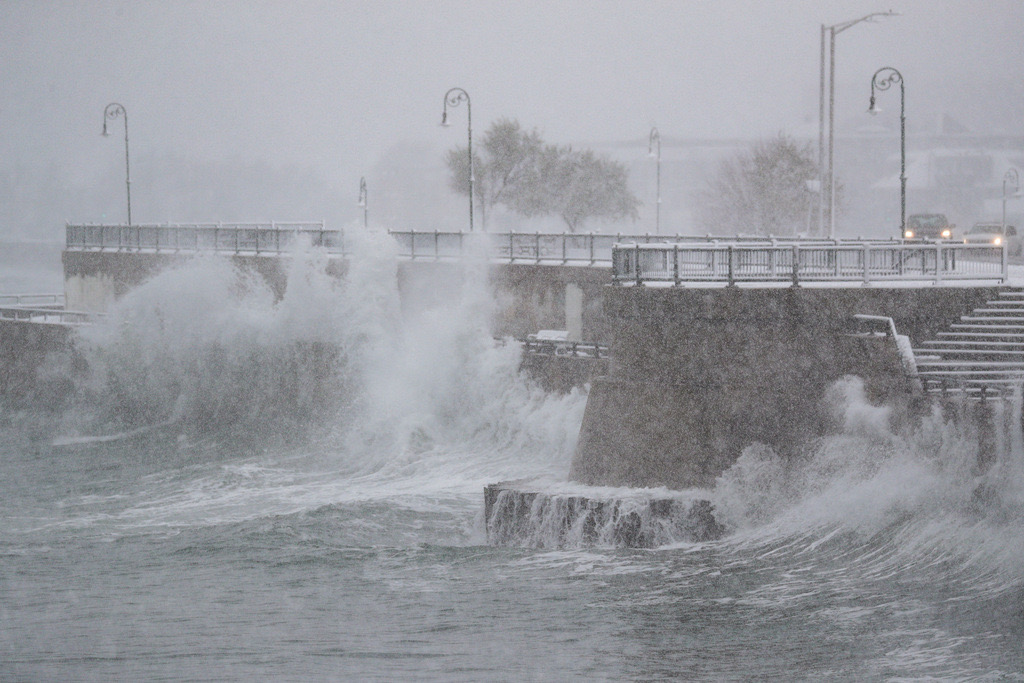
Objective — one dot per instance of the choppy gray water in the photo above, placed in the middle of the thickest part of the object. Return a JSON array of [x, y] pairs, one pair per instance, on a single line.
[[224, 499]]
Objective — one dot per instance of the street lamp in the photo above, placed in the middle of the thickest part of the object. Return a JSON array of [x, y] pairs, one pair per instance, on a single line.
[[655, 138], [363, 200], [833, 31], [1011, 176], [112, 111], [883, 79], [452, 98]]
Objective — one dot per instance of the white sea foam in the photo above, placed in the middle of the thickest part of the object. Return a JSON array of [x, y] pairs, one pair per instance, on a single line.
[[889, 502], [418, 404]]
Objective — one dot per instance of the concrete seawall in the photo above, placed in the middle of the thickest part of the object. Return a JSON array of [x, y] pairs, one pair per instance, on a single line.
[[26, 348], [527, 297], [699, 374]]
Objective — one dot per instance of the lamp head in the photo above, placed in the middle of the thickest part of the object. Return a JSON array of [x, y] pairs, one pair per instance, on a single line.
[[873, 108], [444, 119], [105, 133]]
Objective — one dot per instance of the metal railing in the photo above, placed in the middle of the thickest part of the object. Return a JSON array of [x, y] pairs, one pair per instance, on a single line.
[[556, 248], [548, 347], [807, 262], [235, 238], [54, 316], [36, 300]]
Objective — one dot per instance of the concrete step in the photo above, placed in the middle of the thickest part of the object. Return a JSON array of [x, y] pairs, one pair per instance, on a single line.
[[982, 335], [944, 351], [974, 343], [1001, 375], [992, 318], [973, 364]]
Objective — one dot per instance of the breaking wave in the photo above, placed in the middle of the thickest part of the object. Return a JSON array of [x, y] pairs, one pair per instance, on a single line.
[[376, 401], [327, 392], [883, 504]]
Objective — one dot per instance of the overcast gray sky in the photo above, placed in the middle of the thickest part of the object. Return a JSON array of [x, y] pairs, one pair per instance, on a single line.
[[333, 84]]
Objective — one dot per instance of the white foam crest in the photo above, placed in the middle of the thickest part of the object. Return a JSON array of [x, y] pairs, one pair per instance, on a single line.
[[425, 403], [205, 341], [442, 384], [919, 494]]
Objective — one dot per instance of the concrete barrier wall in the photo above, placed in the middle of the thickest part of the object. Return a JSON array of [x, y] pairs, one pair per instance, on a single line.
[[532, 297], [699, 374], [36, 364]]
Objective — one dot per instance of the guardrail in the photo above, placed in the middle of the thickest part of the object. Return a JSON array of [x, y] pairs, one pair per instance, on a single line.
[[37, 300], [54, 316], [799, 263], [235, 238], [557, 248], [549, 347]]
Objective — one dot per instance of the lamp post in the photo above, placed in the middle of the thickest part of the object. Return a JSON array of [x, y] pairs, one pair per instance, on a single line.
[[833, 31], [1014, 176], [884, 79], [112, 111], [363, 201], [655, 139], [452, 98]]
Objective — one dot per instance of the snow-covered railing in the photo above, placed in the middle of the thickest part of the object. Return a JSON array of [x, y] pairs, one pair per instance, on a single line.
[[554, 248], [36, 300], [548, 347], [54, 316], [807, 262], [236, 238]]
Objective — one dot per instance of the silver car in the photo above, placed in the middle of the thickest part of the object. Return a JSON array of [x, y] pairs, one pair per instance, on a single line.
[[993, 233]]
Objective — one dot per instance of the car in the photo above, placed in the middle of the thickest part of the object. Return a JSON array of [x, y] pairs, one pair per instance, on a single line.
[[993, 233], [928, 226]]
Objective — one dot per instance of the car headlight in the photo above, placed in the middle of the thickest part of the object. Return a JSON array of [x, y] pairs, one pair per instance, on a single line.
[[997, 241], [909, 234], [946, 234]]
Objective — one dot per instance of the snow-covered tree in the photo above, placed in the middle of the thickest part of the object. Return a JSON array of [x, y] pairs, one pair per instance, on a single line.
[[509, 153], [519, 171], [578, 185], [763, 191]]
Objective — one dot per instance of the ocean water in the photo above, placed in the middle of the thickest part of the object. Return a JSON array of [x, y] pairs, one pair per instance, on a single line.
[[244, 489]]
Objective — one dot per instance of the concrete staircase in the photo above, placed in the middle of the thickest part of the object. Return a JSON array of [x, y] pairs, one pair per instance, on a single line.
[[982, 356]]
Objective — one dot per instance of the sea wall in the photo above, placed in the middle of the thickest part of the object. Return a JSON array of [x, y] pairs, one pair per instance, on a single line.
[[699, 374], [36, 364], [526, 297]]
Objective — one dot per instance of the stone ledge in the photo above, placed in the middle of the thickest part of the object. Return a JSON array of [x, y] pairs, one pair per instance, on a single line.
[[518, 514]]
